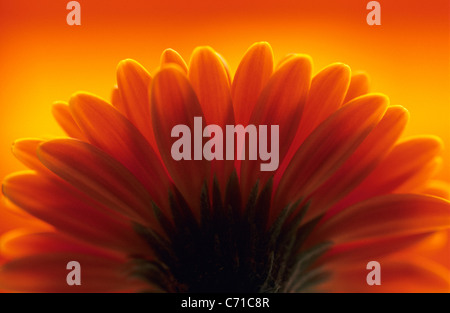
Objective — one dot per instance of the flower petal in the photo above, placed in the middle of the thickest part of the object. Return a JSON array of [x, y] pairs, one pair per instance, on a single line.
[[366, 157], [284, 60], [281, 103], [438, 188], [107, 129], [210, 82], [62, 115], [419, 179], [170, 56], [71, 212], [117, 102], [388, 215], [359, 85], [397, 169], [133, 81], [98, 175], [328, 147], [251, 76], [226, 68], [48, 272], [25, 150], [174, 103], [409, 274], [349, 253], [328, 88], [25, 242]]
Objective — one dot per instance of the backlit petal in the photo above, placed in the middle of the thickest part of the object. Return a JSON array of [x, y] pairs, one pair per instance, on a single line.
[[251, 76], [281, 103], [24, 242], [210, 82], [174, 103], [409, 274], [369, 154], [345, 254], [329, 146], [47, 273], [359, 85], [170, 56], [133, 81], [438, 188], [98, 175], [25, 150], [62, 115], [110, 131], [328, 88], [397, 169], [62, 206], [117, 102], [388, 215]]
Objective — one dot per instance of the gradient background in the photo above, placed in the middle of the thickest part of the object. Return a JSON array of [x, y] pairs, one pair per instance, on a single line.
[[42, 59]]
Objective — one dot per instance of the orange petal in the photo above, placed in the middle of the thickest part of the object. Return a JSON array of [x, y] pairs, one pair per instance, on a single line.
[[174, 103], [62, 115], [284, 60], [359, 85], [25, 150], [133, 81], [397, 169], [26, 242], [48, 272], [438, 188], [98, 175], [110, 131], [329, 146], [419, 179], [13, 216], [210, 81], [117, 102], [409, 274], [64, 207], [328, 88], [326, 95], [389, 215], [227, 69], [281, 103], [170, 56], [369, 154], [251, 76], [349, 253]]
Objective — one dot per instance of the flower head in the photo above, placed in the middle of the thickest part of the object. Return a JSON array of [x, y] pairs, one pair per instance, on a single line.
[[346, 190]]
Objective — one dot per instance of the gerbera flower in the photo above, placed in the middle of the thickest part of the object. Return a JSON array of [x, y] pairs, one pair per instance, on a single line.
[[111, 197]]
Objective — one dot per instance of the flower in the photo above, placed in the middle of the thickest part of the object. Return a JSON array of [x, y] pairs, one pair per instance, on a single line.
[[112, 197]]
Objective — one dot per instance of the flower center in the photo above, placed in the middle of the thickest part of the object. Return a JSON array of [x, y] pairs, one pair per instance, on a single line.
[[231, 249]]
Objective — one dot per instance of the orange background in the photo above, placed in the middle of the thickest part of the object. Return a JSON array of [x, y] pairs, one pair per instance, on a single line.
[[42, 59]]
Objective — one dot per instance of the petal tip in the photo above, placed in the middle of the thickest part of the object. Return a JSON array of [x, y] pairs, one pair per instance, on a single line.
[[128, 63]]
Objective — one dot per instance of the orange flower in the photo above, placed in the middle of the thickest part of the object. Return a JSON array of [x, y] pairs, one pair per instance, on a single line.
[[113, 198]]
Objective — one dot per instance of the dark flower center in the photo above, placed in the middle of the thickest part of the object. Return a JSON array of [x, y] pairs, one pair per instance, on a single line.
[[231, 249]]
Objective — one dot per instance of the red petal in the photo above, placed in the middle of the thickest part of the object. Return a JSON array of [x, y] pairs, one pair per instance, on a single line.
[[174, 103], [98, 175], [328, 147], [368, 155], [281, 103], [133, 81], [388, 215], [251, 76], [110, 131]]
